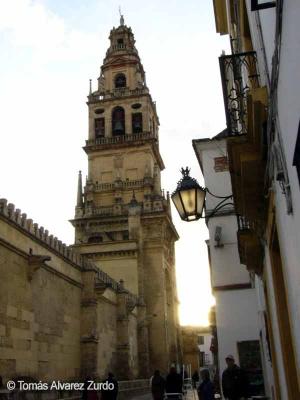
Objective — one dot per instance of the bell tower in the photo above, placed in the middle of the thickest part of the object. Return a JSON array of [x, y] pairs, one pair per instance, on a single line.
[[122, 217]]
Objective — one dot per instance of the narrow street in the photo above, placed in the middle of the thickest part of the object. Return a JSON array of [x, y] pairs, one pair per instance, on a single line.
[[191, 395]]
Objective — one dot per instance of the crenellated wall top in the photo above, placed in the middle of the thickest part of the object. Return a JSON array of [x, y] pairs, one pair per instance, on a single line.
[[13, 215]]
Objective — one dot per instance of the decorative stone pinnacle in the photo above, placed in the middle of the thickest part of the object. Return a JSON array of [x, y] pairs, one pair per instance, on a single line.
[[133, 201], [79, 191]]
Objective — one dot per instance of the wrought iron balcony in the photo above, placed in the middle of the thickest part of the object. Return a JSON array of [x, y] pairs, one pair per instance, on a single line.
[[239, 75]]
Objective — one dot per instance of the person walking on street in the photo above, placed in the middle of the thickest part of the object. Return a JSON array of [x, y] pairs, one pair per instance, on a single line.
[[234, 381], [174, 384], [195, 379], [206, 388], [111, 393], [158, 385], [88, 394]]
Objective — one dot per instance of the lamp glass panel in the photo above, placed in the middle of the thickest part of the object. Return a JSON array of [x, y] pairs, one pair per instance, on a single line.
[[189, 201], [178, 204], [200, 201]]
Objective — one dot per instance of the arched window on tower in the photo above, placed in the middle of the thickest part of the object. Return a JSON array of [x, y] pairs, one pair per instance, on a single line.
[[118, 121], [120, 81], [137, 122]]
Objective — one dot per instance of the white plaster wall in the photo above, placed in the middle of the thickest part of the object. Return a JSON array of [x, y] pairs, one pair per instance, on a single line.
[[288, 120], [218, 183], [288, 116], [267, 20], [227, 269], [236, 310], [237, 320]]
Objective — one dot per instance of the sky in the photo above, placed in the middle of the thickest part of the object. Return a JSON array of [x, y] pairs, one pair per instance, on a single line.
[[49, 51]]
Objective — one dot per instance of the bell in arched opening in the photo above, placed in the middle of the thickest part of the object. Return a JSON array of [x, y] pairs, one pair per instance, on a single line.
[[120, 81], [137, 122], [118, 121]]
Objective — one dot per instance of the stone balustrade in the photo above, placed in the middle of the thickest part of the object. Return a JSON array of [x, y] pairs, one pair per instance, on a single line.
[[99, 187], [116, 93], [127, 138], [147, 206]]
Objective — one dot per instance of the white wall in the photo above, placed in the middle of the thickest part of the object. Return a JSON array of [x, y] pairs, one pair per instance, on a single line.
[[227, 269], [288, 116], [237, 315], [237, 320], [287, 120]]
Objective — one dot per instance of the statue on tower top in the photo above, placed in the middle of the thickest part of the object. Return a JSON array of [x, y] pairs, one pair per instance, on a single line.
[[121, 17]]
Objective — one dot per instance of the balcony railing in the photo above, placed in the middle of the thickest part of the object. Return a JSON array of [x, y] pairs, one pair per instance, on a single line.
[[239, 75], [135, 137], [116, 93], [99, 187]]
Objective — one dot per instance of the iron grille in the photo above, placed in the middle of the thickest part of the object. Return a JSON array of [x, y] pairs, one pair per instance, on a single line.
[[239, 75]]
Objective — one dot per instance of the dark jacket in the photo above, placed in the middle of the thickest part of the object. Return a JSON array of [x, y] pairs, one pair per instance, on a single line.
[[110, 394], [206, 390], [174, 383], [234, 383], [158, 385]]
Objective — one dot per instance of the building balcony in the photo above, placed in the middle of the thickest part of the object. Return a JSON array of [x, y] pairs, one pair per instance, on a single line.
[[247, 159], [239, 75], [121, 47], [122, 140], [155, 204], [123, 185], [116, 94], [249, 246]]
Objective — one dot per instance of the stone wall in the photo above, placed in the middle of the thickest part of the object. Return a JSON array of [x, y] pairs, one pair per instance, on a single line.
[[59, 313]]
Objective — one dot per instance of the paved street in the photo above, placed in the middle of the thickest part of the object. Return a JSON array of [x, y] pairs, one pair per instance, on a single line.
[[190, 396]]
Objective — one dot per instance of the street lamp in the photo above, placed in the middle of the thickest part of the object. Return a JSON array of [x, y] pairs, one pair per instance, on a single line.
[[189, 198]]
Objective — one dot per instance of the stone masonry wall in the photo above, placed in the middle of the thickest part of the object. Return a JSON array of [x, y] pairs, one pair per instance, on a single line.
[[58, 311], [39, 321]]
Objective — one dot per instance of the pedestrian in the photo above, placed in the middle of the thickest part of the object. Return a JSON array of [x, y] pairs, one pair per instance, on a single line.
[[158, 385], [174, 384], [195, 378], [206, 388], [88, 394], [234, 381], [111, 391]]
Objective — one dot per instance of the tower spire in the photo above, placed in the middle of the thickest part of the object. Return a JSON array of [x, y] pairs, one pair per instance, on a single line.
[[79, 191]]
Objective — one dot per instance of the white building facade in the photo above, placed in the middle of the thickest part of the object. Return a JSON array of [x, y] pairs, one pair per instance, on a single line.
[[261, 89], [237, 313]]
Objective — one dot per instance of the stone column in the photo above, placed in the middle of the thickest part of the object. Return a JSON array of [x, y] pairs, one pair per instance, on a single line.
[[143, 342], [123, 346], [89, 334]]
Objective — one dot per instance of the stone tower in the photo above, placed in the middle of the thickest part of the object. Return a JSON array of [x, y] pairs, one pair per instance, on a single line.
[[123, 219]]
